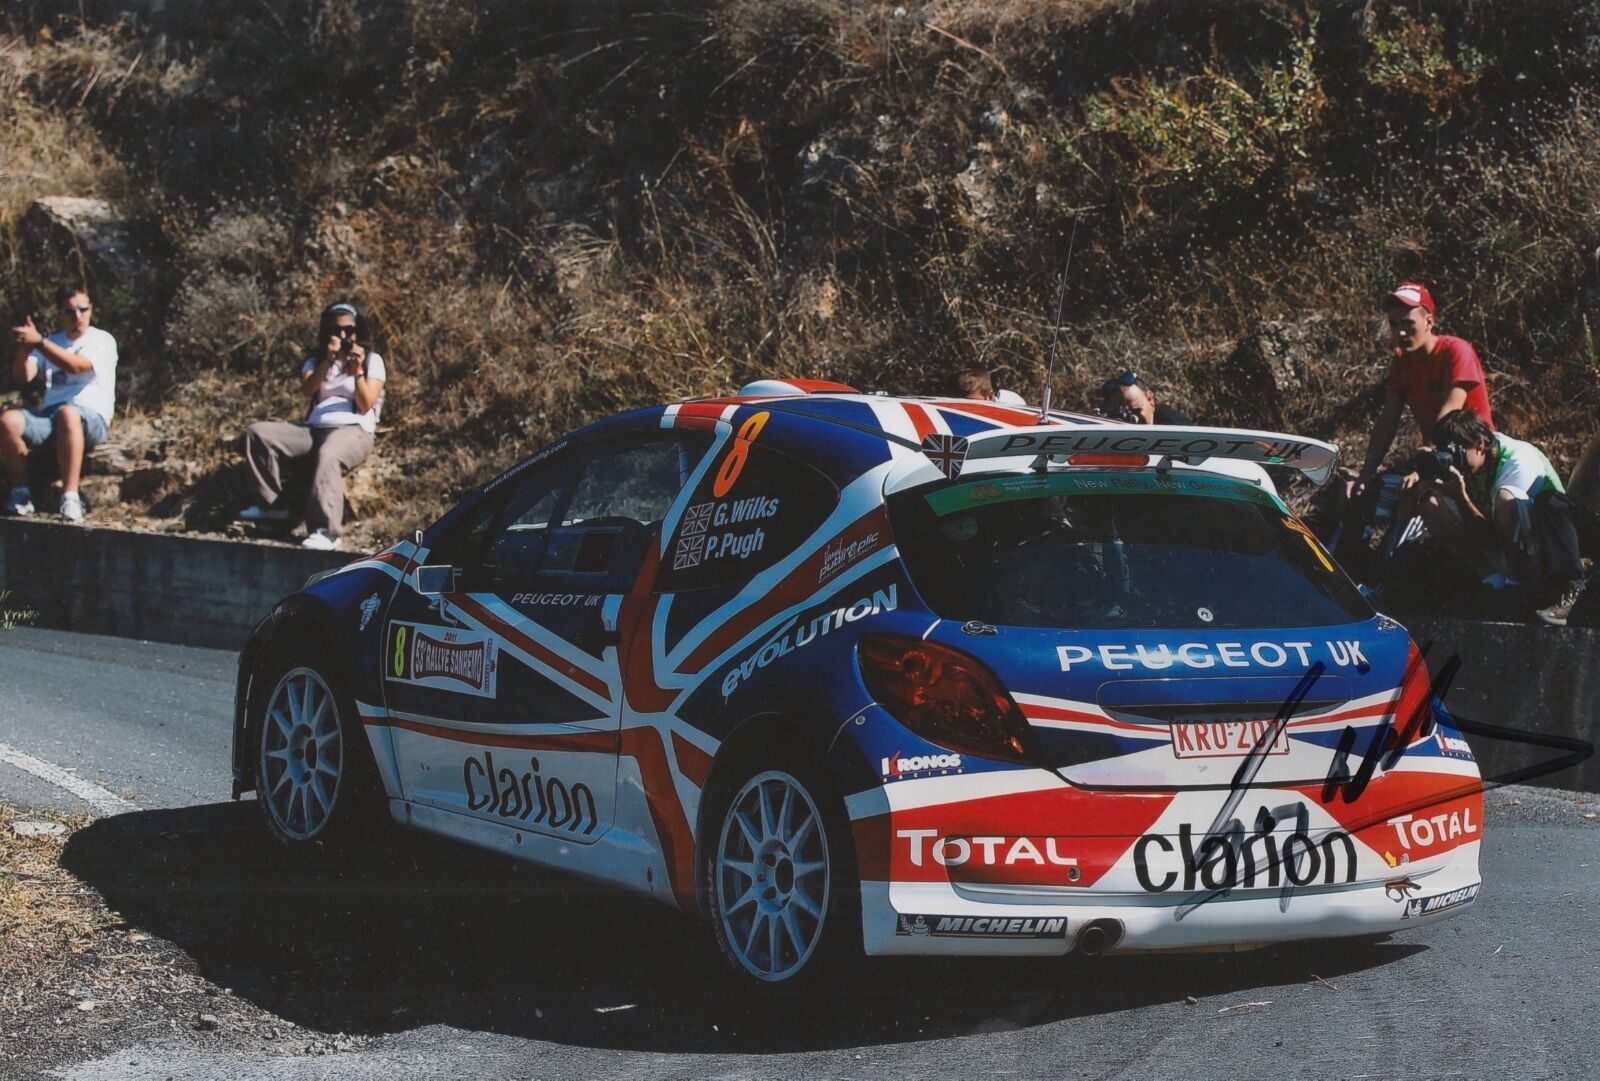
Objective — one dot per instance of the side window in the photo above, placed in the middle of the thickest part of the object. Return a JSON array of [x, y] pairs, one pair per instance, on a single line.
[[517, 536], [773, 503], [586, 524], [459, 547]]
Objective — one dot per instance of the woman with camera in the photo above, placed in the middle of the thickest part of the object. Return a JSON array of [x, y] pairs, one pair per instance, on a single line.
[[344, 381]]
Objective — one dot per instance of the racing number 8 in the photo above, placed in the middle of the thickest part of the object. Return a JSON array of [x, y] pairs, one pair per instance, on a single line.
[[400, 650], [733, 464]]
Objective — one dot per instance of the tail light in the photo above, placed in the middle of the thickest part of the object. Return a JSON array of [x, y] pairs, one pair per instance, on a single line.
[[1413, 717], [944, 696]]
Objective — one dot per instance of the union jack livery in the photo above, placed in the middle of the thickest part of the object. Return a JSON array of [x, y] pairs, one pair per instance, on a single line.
[[846, 673]]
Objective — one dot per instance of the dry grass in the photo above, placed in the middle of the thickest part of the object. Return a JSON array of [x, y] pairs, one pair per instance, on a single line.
[[46, 915], [557, 217]]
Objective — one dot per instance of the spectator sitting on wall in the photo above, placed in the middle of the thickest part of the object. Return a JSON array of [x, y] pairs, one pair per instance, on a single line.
[[1123, 397], [1497, 504], [80, 374], [344, 381]]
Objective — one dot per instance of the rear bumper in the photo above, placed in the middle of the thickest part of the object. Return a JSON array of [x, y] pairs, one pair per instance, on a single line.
[[1020, 863], [931, 918]]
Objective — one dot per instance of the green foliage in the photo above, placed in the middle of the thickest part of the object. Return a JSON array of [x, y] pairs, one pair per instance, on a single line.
[[12, 618], [1210, 132], [1411, 57]]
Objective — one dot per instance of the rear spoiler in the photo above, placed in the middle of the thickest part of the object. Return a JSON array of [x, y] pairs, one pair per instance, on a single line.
[[1189, 445]]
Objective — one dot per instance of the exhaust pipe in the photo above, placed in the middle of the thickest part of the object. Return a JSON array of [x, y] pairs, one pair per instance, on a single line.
[[1100, 936]]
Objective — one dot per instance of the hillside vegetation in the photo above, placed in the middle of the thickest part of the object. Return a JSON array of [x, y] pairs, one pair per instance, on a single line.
[[557, 210]]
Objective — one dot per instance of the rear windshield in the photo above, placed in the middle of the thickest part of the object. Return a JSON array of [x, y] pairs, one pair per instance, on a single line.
[[1110, 550]]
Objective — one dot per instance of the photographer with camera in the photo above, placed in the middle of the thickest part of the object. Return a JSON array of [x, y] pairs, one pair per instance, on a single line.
[[1123, 397], [344, 381], [1498, 505], [79, 363]]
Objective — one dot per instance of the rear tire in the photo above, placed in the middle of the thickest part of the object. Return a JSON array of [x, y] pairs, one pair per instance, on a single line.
[[314, 773], [781, 883]]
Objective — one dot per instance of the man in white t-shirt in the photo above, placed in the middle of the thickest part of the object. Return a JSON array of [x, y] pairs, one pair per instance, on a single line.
[[80, 374], [344, 381]]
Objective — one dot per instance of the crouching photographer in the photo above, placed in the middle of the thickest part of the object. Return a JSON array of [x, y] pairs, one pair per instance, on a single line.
[[1497, 506]]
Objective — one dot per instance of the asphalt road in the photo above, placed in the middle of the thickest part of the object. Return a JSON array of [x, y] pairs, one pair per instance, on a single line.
[[448, 963]]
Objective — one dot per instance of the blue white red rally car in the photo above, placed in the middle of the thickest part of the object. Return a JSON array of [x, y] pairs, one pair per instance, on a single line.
[[848, 673]]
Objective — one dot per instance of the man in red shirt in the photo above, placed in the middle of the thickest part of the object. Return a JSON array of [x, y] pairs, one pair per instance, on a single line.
[[1432, 374]]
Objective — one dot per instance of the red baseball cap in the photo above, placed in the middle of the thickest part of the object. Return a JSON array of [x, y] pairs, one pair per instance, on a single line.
[[1412, 295]]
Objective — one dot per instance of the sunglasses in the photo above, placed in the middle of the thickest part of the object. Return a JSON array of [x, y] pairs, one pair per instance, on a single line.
[[1126, 379], [69, 308]]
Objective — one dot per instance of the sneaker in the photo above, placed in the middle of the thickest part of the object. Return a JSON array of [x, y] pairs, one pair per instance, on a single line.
[[263, 514], [319, 541], [1557, 611], [19, 502], [71, 507]]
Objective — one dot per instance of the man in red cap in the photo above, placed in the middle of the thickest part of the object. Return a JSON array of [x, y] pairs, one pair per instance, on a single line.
[[1433, 374]]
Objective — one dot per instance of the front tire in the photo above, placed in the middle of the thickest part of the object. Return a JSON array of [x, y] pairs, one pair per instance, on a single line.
[[781, 877], [309, 766]]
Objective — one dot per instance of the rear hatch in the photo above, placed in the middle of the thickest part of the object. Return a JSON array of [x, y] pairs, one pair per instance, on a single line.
[[1108, 710], [1153, 629]]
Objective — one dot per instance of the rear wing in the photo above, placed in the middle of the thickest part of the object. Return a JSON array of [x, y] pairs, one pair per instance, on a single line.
[[1190, 445]]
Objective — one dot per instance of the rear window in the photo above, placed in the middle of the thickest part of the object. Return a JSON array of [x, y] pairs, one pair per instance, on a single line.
[[1118, 550]]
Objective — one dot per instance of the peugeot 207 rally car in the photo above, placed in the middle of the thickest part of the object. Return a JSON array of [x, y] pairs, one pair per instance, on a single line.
[[849, 672]]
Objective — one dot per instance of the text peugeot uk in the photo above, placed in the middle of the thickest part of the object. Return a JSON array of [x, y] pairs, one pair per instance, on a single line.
[[845, 673]]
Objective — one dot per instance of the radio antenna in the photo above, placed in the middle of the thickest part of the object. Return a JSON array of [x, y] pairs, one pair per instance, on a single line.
[[1055, 327]]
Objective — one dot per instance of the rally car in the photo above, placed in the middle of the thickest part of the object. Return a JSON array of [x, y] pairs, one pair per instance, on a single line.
[[848, 673]]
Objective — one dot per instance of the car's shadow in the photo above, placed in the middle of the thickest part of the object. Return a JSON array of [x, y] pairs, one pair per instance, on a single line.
[[401, 931]]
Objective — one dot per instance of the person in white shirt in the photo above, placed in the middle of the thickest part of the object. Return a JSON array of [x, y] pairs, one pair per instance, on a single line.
[[80, 374], [344, 381], [1506, 516]]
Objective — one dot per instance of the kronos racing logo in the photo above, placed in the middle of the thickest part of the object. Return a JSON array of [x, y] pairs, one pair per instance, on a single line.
[[897, 767]]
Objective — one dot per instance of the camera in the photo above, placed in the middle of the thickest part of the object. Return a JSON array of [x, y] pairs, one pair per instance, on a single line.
[[1126, 414], [1436, 463]]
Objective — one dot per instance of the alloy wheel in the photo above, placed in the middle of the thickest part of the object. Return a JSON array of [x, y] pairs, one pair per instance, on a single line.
[[772, 876], [302, 757]]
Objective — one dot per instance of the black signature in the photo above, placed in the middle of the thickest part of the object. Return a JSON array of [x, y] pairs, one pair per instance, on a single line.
[[1345, 781]]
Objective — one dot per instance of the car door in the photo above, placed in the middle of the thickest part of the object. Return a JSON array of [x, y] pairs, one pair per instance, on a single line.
[[504, 688]]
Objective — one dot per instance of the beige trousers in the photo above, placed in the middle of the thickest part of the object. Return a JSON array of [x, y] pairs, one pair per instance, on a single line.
[[336, 451]]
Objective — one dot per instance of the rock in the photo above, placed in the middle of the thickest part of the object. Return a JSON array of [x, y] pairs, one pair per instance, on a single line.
[[976, 183], [150, 483], [996, 121], [64, 224], [108, 460], [37, 827], [99, 492], [208, 1022], [822, 164], [1269, 368]]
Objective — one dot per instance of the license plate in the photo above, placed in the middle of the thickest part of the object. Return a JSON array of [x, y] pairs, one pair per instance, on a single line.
[[1224, 739]]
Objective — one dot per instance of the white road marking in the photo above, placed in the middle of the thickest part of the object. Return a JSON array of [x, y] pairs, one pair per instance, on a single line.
[[103, 801]]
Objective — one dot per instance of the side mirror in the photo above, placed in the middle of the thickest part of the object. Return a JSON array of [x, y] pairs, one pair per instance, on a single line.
[[436, 580]]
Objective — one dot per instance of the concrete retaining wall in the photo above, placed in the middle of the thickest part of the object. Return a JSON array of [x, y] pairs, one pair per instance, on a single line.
[[1532, 678], [186, 590]]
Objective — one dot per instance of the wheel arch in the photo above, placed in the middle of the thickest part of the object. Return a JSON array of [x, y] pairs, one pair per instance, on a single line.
[[289, 625], [775, 729]]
